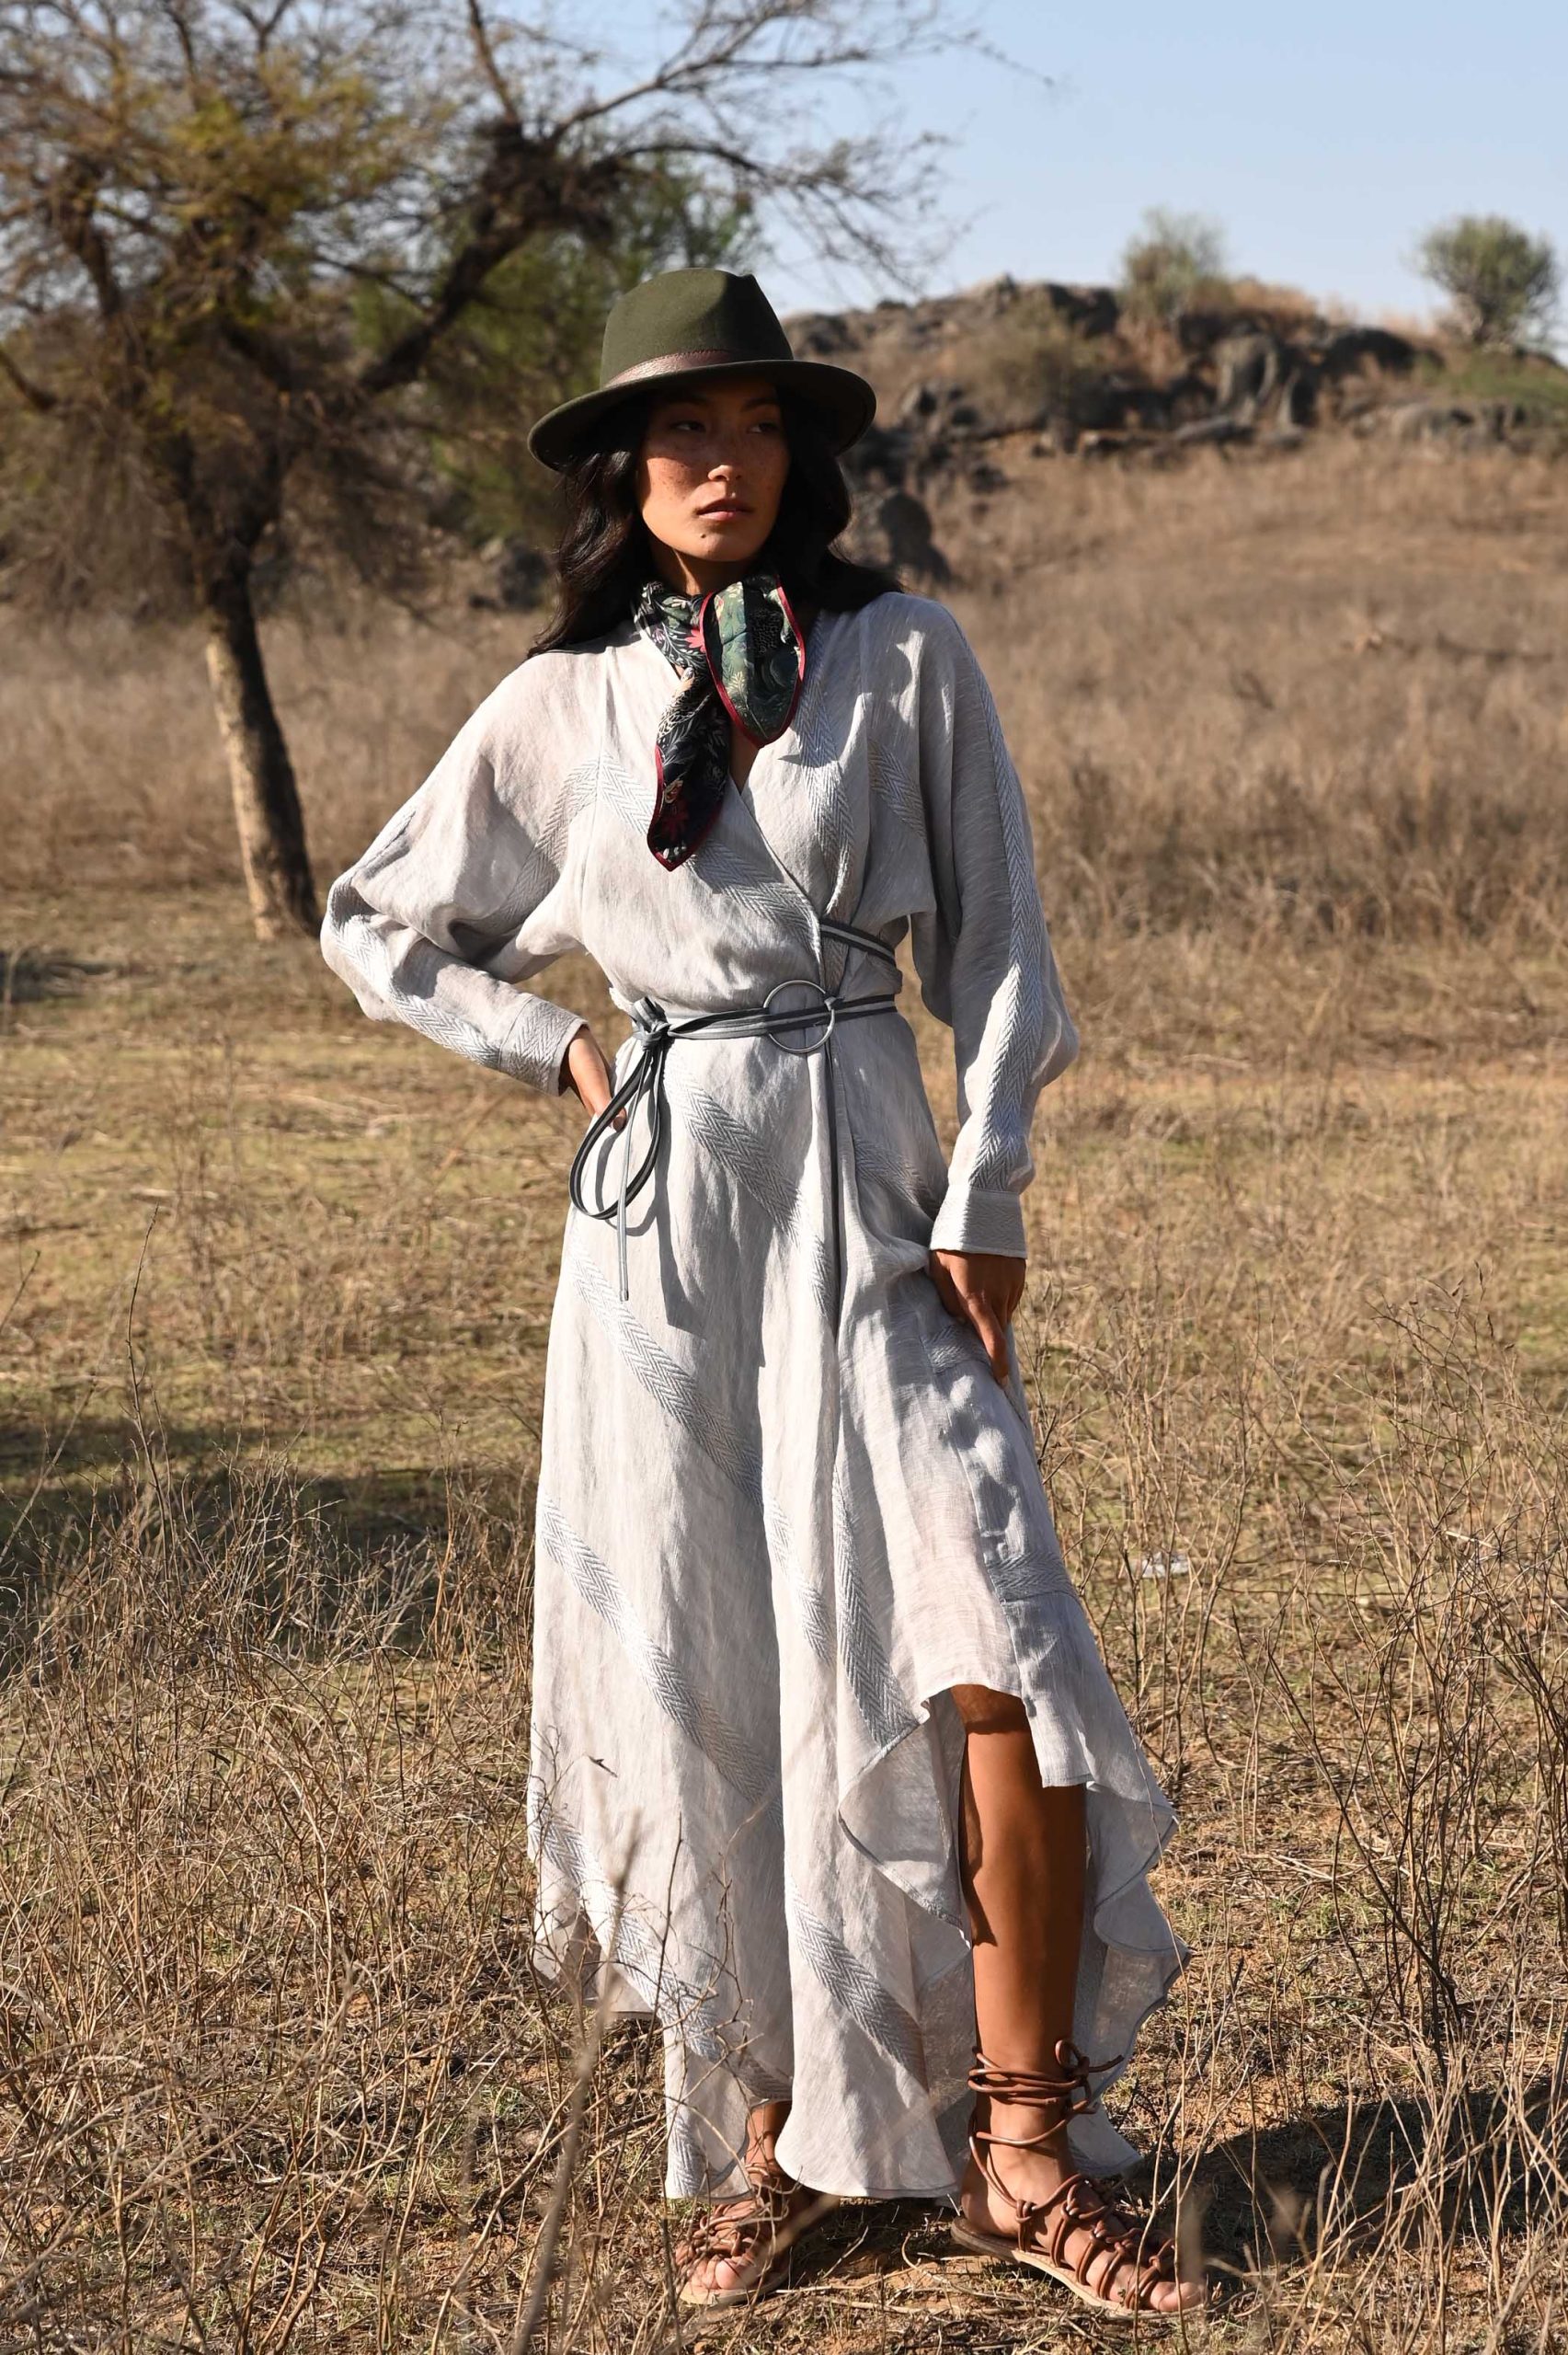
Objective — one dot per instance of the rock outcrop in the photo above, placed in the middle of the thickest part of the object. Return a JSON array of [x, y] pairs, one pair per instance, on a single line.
[[1061, 365]]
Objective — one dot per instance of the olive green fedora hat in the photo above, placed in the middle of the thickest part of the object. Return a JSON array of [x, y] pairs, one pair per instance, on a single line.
[[689, 323]]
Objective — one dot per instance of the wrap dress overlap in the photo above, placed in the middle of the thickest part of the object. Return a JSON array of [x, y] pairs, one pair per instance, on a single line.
[[779, 1517]]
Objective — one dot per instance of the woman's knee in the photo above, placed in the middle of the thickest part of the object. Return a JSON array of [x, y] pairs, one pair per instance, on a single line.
[[984, 1711]]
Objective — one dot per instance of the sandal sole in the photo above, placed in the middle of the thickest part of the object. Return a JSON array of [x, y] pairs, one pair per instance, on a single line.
[[979, 2243], [715, 2301]]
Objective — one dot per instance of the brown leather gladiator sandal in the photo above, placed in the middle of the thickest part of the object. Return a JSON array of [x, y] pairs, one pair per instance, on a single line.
[[756, 2231], [1094, 2205]]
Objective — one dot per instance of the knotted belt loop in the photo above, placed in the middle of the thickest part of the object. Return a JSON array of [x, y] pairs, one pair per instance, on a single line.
[[658, 1034]]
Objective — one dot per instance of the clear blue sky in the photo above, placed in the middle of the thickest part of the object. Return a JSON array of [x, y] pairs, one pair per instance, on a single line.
[[1324, 139]]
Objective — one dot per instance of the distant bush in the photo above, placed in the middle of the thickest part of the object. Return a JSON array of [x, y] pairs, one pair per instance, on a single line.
[[1533, 384], [1032, 362], [1286, 309], [1176, 264], [1503, 283]]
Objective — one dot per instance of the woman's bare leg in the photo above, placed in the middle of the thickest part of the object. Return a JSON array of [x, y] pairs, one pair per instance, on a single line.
[[1025, 1851], [1023, 1872]]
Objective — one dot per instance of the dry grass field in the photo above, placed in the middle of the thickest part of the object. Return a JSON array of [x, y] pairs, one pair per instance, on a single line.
[[273, 2070]]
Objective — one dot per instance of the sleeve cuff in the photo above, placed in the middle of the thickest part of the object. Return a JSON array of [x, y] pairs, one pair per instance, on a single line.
[[557, 1082], [536, 1045], [980, 1222]]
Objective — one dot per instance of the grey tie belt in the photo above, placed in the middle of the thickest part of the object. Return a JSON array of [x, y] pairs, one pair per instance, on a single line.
[[658, 1034]]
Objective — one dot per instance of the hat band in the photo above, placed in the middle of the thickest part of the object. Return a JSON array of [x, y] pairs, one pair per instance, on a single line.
[[671, 363]]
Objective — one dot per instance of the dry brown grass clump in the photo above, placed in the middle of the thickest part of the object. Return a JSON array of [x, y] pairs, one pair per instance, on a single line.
[[1281, 698]]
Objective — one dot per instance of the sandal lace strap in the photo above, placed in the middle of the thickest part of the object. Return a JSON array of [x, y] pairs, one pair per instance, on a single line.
[[1096, 2207], [1099, 2210], [733, 2228], [1067, 2093]]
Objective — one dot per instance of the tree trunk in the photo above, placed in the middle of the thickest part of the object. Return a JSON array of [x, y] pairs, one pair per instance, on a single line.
[[267, 802]]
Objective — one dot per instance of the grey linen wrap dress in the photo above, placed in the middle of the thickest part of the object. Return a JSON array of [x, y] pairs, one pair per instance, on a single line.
[[784, 1503]]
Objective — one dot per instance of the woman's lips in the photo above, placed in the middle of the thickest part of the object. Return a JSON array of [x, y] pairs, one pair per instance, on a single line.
[[727, 511]]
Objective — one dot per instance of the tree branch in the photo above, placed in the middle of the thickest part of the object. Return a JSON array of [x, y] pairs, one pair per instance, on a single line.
[[71, 203], [842, 197], [37, 397], [174, 12], [264, 22], [716, 51], [488, 65], [266, 354], [527, 185]]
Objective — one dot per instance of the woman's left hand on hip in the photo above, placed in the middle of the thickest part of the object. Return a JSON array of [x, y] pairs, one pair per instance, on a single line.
[[984, 1288]]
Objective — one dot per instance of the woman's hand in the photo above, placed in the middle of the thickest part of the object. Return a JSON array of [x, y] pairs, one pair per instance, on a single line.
[[587, 1074], [985, 1287]]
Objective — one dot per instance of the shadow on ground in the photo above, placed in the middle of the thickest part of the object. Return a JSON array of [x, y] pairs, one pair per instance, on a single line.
[[1267, 2196], [249, 1526], [1262, 2196], [28, 975]]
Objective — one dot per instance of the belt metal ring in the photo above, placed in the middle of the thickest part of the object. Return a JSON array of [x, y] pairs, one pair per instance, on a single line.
[[828, 1009]]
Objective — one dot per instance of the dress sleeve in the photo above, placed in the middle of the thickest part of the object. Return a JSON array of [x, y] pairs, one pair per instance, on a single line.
[[983, 957], [470, 887]]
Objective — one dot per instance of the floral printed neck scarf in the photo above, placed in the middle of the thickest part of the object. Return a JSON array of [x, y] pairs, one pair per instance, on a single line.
[[741, 656]]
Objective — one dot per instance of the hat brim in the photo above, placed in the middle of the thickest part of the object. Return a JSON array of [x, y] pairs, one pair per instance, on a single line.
[[847, 402]]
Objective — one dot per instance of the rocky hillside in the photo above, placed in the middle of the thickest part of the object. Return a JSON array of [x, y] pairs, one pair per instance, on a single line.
[[969, 384], [974, 388]]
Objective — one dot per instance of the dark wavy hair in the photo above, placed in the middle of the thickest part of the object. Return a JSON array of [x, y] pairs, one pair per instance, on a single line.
[[604, 553]]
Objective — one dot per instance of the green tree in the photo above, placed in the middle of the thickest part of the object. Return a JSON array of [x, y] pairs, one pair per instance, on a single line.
[[239, 238], [1503, 283], [1175, 261]]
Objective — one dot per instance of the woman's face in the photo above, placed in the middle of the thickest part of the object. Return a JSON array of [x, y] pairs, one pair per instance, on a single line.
[[710, 475]]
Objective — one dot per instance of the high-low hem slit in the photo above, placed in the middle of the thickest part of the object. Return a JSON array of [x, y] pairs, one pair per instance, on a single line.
[[965, 1475], [1121, 1921]]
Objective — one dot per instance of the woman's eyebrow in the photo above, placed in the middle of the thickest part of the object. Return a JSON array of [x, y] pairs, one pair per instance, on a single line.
[[704, 401]]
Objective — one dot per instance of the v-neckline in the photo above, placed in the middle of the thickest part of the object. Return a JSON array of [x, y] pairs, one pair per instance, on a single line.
[[736, 793]]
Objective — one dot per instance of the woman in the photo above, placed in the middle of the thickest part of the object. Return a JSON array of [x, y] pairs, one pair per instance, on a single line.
[[826, 1772]]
